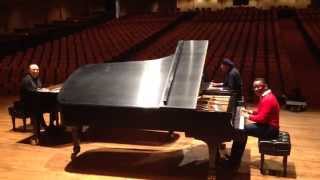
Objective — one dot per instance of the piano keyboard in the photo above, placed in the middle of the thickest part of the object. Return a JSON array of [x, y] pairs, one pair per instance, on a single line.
[[239, 120]]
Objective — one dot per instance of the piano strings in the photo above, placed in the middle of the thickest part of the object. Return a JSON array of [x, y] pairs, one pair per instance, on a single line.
[[213, 103]]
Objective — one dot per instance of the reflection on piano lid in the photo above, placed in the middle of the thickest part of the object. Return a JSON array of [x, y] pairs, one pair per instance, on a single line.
[[207, 88], [172, 81], [213, 88]]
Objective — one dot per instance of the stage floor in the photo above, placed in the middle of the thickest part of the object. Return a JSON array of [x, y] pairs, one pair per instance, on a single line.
[[142, 154]]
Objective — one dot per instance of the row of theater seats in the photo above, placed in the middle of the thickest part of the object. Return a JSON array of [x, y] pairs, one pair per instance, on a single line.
[[60, 57], [309, 20], [22, 38], [248, 36], [239, 13]]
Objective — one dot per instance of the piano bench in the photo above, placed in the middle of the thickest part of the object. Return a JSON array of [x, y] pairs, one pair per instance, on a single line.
[[16, 112], [279, 146], [296, 106]]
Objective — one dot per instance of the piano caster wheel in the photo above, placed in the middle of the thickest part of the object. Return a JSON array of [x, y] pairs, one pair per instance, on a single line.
[[73, 156], [171, 136], [76, 150], [34, 141]]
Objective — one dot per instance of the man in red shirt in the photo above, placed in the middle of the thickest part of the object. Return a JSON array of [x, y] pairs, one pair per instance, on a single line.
[[265, 121]]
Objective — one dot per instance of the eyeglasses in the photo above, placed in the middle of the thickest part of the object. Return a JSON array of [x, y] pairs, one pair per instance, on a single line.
[[35, 70]]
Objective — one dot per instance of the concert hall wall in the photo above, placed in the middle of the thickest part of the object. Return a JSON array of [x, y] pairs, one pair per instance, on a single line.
[[130, 6], [26, 13], [185, 5]]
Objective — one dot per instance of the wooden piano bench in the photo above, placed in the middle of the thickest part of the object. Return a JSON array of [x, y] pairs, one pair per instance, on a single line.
[[279, 146], [17, 111]]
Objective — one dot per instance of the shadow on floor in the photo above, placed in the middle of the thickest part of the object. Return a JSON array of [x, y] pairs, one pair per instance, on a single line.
[[147, 165], [134, 164], [57, 137], [275, 168]]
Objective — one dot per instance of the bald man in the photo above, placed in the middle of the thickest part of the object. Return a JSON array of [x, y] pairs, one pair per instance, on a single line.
[[30, 84]]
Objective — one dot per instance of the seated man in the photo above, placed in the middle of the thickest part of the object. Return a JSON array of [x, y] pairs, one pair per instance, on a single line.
[[232, 78], [30, 84], [265, 121]]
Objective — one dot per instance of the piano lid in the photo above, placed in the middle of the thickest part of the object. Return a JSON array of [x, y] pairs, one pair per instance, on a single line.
[[172, 81], [188, 74]]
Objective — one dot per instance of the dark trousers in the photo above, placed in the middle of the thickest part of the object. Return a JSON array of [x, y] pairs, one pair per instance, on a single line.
[[256, 130], [37, 122]]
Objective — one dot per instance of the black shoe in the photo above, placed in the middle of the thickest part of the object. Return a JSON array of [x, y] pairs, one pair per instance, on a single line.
[[230, 165], [43, 125], [227, 156], [43, 128], [212, 174]]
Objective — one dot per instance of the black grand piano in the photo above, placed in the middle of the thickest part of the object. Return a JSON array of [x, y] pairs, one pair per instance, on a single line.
[[44, 100], [162, 94]]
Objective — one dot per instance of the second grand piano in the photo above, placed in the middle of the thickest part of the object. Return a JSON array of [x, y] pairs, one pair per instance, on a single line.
[[160, 94]]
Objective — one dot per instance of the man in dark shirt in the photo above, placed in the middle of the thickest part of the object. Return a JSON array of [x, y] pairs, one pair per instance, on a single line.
[[30, 84], [232, 79]]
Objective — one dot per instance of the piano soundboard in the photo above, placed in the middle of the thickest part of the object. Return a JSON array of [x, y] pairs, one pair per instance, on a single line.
[[220, 103], [213, 103]]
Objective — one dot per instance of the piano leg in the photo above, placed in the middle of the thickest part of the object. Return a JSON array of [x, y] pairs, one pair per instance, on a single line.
[[36, 130], [213, 149], [76, 141]]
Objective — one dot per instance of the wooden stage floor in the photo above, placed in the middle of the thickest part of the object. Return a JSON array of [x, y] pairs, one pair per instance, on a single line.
[[129, 154]]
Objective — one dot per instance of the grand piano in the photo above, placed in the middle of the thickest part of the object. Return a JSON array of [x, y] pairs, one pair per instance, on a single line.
[[162, 94], [44, 100]]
